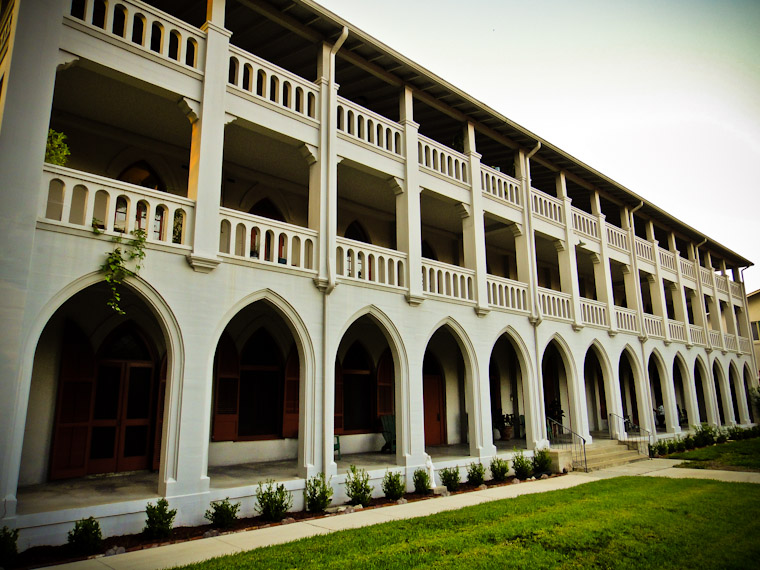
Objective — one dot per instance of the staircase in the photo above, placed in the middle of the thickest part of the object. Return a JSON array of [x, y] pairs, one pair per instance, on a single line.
[[604, 453]]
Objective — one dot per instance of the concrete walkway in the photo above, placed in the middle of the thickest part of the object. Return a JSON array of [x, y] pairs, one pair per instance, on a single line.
[[203, 549]]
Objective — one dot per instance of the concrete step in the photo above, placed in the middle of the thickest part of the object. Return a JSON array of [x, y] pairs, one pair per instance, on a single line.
[[610, 453], [614, 463]]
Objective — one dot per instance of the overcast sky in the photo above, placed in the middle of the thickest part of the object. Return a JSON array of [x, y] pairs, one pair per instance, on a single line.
[[662, 96]]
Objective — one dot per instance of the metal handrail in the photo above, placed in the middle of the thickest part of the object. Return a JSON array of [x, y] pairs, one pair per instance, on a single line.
[[577, 443], [624, 428]]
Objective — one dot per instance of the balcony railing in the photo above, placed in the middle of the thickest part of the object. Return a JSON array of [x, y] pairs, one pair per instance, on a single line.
[[267, 82], [507, 294], [594, 313], [653, 326], [715, 340], [644, 250], [500, 186], [360, 261], [585, 224], [705, 275], [617, 238], [736, 289], [555, 304], [87, 201], [721, 282], [262, 240], [442, 160], [545, 206], [447, 280], [371, 128], [677, 330], [697, 335], [745, 345], [687, 268], [626, 319], [730, 342], [148, 28], [667, 259]]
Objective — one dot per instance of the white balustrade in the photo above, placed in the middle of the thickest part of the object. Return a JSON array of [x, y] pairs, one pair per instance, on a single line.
[[148, 28], [736, 289], [369, 127], [585, 224], [627, 319], [697, 335], [677, 330], [555, 304], [545, 206], [653, 326], [644, 250], [594, 313], [262, 240], [745, 345], [715, 340], [721, 282], [705, 275], [667, 259], [361, 261], [87, 201], [447, 280], [730, 342], [443, 160], [687, 268], [266, 81], [507, 294], [500, 186], [617, 238]]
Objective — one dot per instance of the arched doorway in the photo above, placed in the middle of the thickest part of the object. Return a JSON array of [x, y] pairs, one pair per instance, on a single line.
[[630, 392], [658, 394], [434, 396], [557, 396], [719, 396], [703, 395], [508, 397], [597, 403], [95, 404], [735, 387], [365, 389], [256, 385], [683, 400]]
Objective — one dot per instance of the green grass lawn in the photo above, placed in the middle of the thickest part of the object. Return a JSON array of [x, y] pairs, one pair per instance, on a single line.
[[630, 522], [742, 455]]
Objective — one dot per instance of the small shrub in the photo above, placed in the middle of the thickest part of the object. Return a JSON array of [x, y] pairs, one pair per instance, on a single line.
[[522, 465], [542, 461], [273, 500], [358, 488], [56, 151], [85, 537], [680, 445], [499, 469], [672, 448], [421, 480], [721, 437], [476, 474], [704, 435], [8, 550], [450, 478], [318, 493], [159, 519], [223, 514], [393, 486], [688, 442]]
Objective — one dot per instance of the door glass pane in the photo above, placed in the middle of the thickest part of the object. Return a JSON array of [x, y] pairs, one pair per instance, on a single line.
[[103, 442], [138, 396], [107, 392], [135, 441]]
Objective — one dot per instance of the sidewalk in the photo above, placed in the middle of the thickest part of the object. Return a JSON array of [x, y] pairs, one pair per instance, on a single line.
[[199, 550]]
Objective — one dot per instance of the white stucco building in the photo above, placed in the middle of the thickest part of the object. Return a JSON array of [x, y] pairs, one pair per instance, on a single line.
[[334, 235]]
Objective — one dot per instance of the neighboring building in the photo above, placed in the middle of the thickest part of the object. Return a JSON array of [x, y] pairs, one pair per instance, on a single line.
[[753, 309], [336, 238]]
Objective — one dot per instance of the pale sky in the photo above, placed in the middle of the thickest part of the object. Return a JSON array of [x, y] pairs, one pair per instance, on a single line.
[[662, 96]]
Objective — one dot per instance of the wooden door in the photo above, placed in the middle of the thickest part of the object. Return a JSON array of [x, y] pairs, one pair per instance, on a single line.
[[435, 411]]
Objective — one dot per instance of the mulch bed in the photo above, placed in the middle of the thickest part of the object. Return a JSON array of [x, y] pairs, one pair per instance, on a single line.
[[49, 555]]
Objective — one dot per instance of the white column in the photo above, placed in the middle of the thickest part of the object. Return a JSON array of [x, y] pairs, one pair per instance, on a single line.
[[29, 82], [602, 273], [568, 263], [408, 229], [207, 146]]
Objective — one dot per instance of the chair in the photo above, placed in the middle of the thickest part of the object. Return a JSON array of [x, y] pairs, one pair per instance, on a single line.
[[336, 446], [389, 433]]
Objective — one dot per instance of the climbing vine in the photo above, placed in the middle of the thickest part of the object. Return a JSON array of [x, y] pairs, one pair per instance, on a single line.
[[127, 250]]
